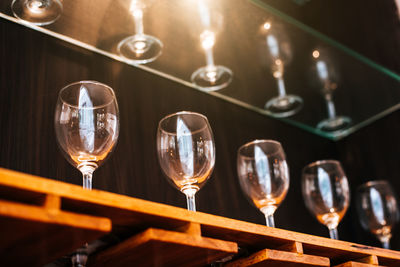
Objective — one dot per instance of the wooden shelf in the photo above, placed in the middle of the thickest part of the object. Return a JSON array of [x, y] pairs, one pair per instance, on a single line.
[[167, 248], [35, 230], [154, 234]]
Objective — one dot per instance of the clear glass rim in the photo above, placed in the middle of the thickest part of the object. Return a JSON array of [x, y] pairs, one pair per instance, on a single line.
[[182, 113], [320, 162], [87, 82], [374, 182], [259, 141]]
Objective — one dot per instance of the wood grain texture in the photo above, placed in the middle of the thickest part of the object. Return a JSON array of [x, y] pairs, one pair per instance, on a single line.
[[132, 215], [355, 264], [35, 67], [155, 247], [36, 235], [268, 257]]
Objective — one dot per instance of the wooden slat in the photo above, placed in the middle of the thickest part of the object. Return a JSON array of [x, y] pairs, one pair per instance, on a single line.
[[133, 215], [294, 246], [355, 264], [165, 248], [33, 236], [370, 260], [269, 257]]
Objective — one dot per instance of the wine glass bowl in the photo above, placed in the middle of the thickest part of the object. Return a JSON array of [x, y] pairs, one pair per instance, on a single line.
[[186, 151], [38, 12], [139, 48], [263, 175], [86, 125], [377, 208], [326, 193]]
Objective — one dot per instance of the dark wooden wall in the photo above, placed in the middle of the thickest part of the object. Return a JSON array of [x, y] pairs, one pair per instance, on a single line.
[[34, 67]]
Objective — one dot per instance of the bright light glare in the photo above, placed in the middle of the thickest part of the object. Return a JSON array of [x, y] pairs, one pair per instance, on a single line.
[[267, 25], [140, 45], [207, 39], [315, 54], [137, 13]]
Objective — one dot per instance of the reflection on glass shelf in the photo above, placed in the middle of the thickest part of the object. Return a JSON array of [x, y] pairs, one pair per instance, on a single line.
[[211, 77], [139, 48], [38, 12], [327, 78], [365, 91], [279, 57]]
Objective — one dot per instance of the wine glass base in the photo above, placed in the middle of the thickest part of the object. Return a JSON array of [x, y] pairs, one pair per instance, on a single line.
[[212, 78], [140, 49], [284, 106], [334, 124], [38, 12]]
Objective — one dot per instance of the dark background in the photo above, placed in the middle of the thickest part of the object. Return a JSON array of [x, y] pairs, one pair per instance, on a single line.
[[34, 67]]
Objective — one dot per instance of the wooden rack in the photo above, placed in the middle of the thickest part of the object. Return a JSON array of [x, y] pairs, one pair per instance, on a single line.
[[43, 220]]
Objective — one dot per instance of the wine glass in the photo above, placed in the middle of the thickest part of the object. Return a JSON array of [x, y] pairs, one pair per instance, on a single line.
[[279, 55], [328, 82], [139, 48], [38, 12], [263, 175], [377, 209], [326, 193], [210, 77], [186, 152], [87, 126]]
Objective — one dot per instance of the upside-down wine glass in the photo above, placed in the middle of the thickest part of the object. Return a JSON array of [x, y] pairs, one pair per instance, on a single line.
[[279, 55], [38, 12], [328, 83], [139, 48], [87, 127], [326, 193], [186, 152], [263, 175], [210, 77], [378, 210]]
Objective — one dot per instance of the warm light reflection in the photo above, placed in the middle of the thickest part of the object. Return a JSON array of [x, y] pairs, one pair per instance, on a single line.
[[140, 47], [267, 26], [36, 6], [137, 13], [207, 38], [136, 5], [315, 54]]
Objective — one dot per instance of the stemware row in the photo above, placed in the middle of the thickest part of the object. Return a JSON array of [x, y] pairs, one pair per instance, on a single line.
[[87, 128]]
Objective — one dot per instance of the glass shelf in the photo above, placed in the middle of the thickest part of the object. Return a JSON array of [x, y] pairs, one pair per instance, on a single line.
[[362, 90]]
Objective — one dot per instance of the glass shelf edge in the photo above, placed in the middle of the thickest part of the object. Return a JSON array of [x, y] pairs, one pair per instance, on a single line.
[[326, 38], [331, 136]]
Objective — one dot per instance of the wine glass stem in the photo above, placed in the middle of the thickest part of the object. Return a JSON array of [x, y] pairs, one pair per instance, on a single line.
[[191, 203], [209, 58], [87, 180], [138, 16], [333, 233], [281, 87], [269, 219], [331, 109], [386, 244]]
